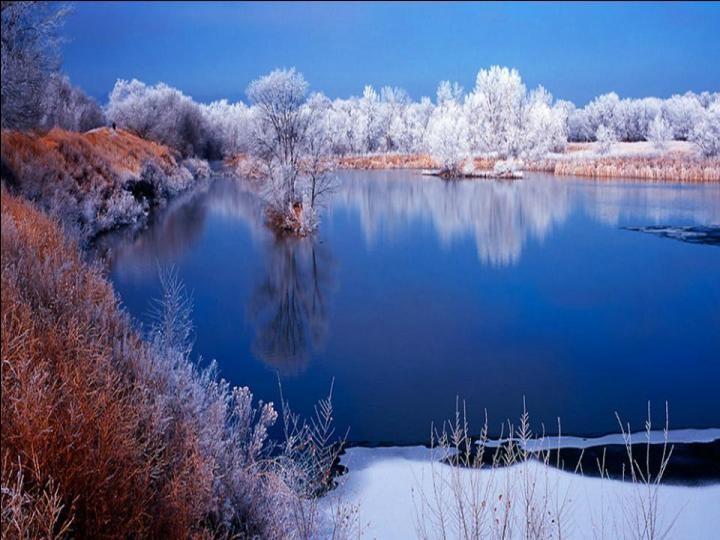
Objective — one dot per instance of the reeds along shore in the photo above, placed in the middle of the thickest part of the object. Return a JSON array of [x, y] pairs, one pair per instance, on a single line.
[[673, 167]]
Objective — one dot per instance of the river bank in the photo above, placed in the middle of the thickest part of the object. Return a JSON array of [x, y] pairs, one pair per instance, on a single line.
[[96, 181], [679, 162]]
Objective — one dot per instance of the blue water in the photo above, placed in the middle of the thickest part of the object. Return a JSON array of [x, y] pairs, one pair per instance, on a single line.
[[417, 290]]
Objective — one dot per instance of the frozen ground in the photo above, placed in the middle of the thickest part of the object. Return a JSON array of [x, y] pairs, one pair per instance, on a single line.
[[387, 485], [628, 149]]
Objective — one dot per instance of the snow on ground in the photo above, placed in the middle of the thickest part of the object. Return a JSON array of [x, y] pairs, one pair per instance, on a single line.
[[626, 149], [639, 437], [386, 484]]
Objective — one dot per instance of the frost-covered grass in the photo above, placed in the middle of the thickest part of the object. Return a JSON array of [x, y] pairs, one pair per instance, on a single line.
[[388, 161], [679, 161], [94, 181], [109, 434]]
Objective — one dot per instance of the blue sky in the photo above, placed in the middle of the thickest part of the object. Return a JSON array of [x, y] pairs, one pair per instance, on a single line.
[[577, 51]]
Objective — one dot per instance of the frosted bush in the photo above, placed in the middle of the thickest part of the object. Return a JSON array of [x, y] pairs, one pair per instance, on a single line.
[[706, 134], [198, 168], [659, 133], [161, 113], [229, 126], [605, 138]]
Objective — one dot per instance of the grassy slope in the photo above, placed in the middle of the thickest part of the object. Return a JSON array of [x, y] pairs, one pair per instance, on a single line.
[[90, 180], [80, 425]]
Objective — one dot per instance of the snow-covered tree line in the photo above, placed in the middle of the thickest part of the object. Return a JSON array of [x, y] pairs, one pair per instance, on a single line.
[[653, 119], [497, 117]]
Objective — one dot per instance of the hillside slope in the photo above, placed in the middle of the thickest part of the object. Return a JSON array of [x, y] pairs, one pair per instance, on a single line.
[[94, 181]]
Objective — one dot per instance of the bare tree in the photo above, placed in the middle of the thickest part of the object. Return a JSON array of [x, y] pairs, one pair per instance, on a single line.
[[291, 139], [29, 56], [318, 162], [281, 123]]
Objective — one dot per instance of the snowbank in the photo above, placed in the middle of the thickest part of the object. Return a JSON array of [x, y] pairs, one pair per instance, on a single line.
[[387, 485]]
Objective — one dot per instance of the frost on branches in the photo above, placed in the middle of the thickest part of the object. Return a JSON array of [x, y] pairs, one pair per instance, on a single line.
[[605, 137], [289, 137], [706, 134], [447, 135], [659, 132]]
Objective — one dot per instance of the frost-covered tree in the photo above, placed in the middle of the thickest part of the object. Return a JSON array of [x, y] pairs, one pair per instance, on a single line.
[[407, 129], [603, 111], [291, 137], [67, 107], [683, 113], [635, 116], [495, 110], [578, 125], [161, 113], [659, 133], [229, 125], [543, 126], [706, 134], [370, 116], [449, 92], [393, 106], [318, 163], [30, 55], [447, 137], [280, 126], [605, 137]]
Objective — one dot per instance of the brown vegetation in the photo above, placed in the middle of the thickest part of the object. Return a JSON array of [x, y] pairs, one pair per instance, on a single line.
[[671, 167], [108, 435], [78, 425], [120, 150], [92, 181], [667, 168], [388, 161]]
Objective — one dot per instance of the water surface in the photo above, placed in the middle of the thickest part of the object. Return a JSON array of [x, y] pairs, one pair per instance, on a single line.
[[418, 290]]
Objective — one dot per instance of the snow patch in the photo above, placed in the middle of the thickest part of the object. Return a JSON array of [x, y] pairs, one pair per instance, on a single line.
[[386, 484]]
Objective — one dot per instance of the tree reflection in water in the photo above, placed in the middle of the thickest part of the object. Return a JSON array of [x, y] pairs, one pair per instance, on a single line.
[[290, 306], [500, 215]]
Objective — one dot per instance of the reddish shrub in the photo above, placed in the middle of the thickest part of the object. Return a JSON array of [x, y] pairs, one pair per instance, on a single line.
[[78, 421]]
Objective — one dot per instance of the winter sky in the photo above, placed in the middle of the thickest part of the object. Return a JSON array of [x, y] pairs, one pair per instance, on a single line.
[[577, 51]]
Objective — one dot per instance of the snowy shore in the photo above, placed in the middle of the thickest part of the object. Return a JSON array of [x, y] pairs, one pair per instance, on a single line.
[[389, 485]]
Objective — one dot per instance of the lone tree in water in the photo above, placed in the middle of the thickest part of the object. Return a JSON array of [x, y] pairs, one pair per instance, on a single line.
[[284, 139]]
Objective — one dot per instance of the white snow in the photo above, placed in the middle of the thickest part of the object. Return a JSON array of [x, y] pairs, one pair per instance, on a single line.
[[385, 483], [641, 437]]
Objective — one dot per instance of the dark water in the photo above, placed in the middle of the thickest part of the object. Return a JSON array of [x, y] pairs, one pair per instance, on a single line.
[[417, 291]]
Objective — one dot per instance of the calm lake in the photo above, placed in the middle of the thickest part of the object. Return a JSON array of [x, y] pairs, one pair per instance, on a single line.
[[417, 290]]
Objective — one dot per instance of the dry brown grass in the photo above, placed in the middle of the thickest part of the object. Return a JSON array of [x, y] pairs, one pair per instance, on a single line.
[[388, 161], [673, 167], [108, 435], [89, 180], [120, 150], [81, 429]]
